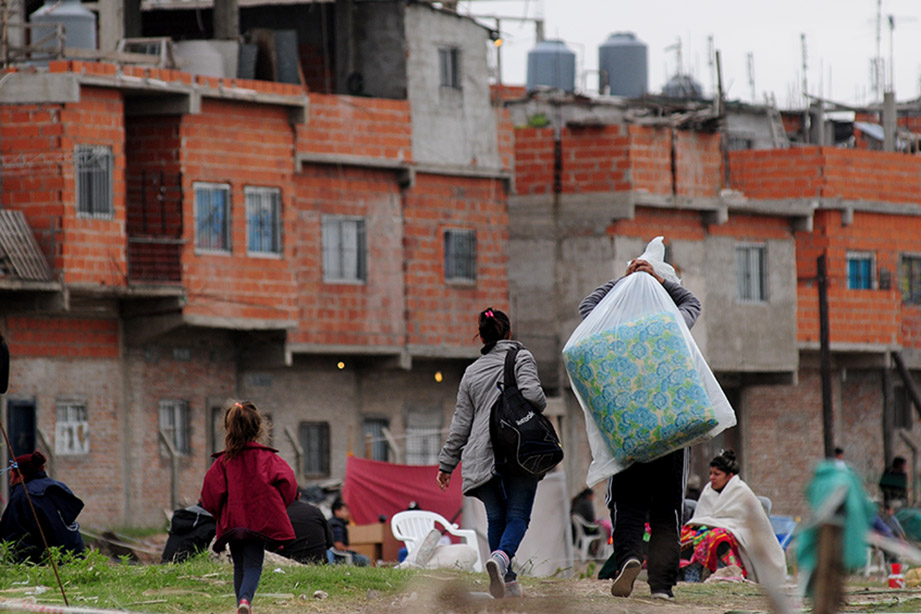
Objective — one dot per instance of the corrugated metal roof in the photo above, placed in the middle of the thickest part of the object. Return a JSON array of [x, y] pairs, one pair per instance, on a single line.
[[872, 130]]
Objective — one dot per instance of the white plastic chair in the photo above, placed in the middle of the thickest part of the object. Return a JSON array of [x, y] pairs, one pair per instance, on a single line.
[[585, 540], [411, 527]]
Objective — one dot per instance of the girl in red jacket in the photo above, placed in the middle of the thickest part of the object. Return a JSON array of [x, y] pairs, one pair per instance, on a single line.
[[247, 489]]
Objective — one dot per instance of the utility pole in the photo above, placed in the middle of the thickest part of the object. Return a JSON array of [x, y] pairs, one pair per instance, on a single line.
[[828, 422], [802, 39], [751, 75]]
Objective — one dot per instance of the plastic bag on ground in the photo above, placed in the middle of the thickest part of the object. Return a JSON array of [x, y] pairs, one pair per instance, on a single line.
[[641, 380]]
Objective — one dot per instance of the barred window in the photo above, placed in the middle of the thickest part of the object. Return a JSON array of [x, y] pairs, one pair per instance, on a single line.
[[910, 278], [344, 249], [71, 429], [175, 424], [212, 216], [314, 440], [750, 273], [374, 432], [460, 255], [93, 166], [263, 220], [423, 437], [449, 59]]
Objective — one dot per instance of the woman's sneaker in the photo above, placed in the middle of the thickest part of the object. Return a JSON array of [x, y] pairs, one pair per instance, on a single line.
[[243, 607], [497, 567], [623, 583], [512, 589], [665, 594]]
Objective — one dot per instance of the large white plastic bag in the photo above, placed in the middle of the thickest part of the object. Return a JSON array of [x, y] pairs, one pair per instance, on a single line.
[[641, 380]]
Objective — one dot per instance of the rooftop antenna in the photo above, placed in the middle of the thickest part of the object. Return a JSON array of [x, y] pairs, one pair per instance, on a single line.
[[878, 61], [711, 63], [891, 62], [802, 38], [676, 47], [751, 75]]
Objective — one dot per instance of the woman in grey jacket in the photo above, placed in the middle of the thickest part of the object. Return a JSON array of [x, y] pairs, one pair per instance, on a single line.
[[508, 498]]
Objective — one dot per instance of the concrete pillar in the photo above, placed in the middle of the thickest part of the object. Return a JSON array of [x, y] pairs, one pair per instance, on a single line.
[[817, 123], [118, 19], [226, 19], [889, 121]]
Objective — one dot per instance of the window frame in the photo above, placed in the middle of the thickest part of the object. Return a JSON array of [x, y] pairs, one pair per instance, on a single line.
[[910, 294], [225, 231], [70, 429], [450, 262], [425, 426], [180, 436], [745, 286], [323, 456], [380, 451], [89, 181], [449, 67], [339, 251], [861, 256], [255, 197]]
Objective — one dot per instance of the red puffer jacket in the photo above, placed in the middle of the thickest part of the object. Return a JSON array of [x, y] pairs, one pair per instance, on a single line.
[[249, 495]]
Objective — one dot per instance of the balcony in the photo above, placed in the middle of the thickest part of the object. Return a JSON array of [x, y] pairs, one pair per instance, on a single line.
[[154, 225]]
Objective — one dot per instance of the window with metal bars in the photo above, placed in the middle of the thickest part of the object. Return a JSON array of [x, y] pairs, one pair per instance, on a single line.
[[344, 249], [750, 272], [860, 270], [314, 440], [71, 428], [423, 437], [460, 255], [212, 216], [175, 424], [374, 433], [263, 220], [910, 278], [93, 166], [449, 59]]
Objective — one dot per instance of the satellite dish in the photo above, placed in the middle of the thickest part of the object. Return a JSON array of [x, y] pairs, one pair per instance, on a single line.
[[4, 366]]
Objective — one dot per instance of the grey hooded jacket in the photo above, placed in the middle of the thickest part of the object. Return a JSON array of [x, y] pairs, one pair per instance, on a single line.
[[468, 440]]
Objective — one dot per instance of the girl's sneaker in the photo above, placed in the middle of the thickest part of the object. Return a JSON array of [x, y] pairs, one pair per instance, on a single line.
[[497, 567], [244, 608], [512, 589]]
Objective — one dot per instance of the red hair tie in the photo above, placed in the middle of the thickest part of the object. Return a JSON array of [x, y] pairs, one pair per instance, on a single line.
[[489, 314]]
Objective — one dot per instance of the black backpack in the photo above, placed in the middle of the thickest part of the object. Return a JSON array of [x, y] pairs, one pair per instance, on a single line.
[[523, 439]]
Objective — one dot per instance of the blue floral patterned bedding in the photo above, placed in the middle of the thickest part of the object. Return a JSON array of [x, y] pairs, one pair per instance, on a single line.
[[639, 383]]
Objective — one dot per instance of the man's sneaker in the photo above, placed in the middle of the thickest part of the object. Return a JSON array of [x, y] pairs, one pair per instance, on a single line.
[[243, 607], [497, 567], [512, 589], [623, 583], [663, 594]]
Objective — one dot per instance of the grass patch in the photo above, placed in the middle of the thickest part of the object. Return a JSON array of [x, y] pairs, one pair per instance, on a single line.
[[199, 584]]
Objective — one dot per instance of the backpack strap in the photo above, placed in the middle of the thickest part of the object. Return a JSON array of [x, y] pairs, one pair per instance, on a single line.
[[509, 373]]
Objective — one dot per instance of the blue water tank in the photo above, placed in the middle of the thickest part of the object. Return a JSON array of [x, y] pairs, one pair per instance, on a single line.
[[622, 66], [683, 87], [79, 24], [552, 64]]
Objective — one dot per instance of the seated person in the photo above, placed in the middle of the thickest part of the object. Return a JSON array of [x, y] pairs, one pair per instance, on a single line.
[[190, 531], [730, 527], [894, 482], [313, 535], [56, 508], [339, 523]]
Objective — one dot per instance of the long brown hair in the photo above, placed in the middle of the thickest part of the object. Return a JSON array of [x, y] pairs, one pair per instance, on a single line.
[[243, 425]]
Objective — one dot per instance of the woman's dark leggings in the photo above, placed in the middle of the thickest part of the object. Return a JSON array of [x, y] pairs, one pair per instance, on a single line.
[[247, 558]]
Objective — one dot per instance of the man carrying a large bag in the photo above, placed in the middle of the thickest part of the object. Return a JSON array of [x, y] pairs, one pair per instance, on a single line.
[[642, 411]]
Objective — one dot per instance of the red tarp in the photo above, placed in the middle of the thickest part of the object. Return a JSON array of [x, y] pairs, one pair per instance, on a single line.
[[374, 488]]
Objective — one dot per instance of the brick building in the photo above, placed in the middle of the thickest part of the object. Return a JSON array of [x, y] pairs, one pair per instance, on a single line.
[[596, 179], [173, 239]]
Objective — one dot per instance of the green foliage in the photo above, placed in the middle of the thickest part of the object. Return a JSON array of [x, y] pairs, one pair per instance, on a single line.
[[198, 585], [538, 120]]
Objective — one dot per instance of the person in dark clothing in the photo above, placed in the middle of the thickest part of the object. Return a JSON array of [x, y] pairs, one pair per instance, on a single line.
[[313, 535], [190, 531], [894, 482], [339, 523], [55, 506], [652, 491]]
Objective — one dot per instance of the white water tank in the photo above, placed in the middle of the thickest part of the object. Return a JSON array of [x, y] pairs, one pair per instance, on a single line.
[[79, 24]]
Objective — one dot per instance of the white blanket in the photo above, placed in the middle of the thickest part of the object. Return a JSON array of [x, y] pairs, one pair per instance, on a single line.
[[739, 511]]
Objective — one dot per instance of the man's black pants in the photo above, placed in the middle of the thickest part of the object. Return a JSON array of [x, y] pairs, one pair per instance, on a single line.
[[651, 491]]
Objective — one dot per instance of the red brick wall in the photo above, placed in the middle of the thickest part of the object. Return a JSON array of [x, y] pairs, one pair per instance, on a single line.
[[368, 313], [29, 337], [870, 175], [673, 224], [94, 250], [698, 163], [506, 138], [153, 146], [777, 173], [348, 125], [32, 162], [650, 159], [533, 161], [236, 284], [595, 159], [442, 314]]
